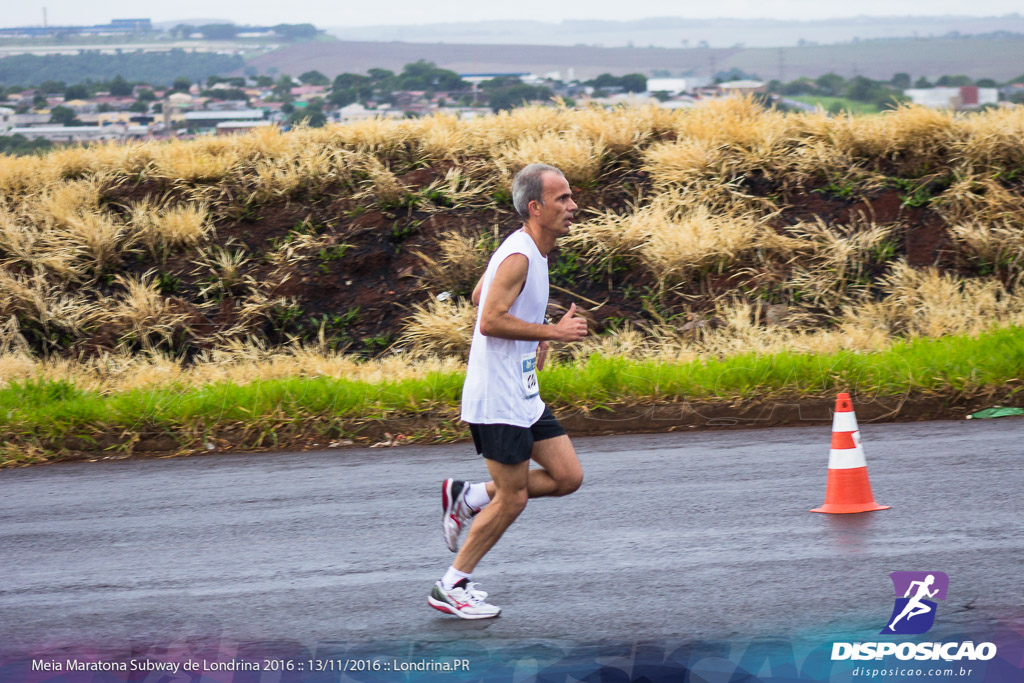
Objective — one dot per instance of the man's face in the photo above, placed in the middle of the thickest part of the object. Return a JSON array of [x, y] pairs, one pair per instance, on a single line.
[[556, 212]]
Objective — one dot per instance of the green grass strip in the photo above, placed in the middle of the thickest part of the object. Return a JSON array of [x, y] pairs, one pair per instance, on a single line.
[[826, 102], [952, 365], [948, 364]]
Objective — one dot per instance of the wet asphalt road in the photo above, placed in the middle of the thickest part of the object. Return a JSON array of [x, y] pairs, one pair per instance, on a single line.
[[699, 536]]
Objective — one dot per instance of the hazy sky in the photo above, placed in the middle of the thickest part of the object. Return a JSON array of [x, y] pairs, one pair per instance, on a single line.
[[330, 13]]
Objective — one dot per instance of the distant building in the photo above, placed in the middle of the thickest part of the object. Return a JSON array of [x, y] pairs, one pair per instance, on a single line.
[[742, 87], [466, 112], [132, 25], [208, 120], [682, 103], [305, 91], [180, 99], [107, 118], [481, 77], [357, 112], [115, 27], [232, 127], [30, 119], [673, 86], [82, 133], [965, 97], [627, 98], [6, 119]]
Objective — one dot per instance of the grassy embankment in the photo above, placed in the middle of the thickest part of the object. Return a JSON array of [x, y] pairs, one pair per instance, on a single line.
[[265, 413], [242, 291]]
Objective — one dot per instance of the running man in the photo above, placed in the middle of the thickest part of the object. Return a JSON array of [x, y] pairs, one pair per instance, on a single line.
[[914, 606], [500, 399]]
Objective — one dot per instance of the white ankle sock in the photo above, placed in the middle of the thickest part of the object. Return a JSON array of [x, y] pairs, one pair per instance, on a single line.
[[452, 577], [476, 496]]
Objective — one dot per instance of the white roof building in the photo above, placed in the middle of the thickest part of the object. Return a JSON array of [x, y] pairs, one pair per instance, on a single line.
[[966, 97], [225, 115], [742, 86], [227, 127], [29, 119], [81, 133], [673, 86], [357, 112], [6, 116]]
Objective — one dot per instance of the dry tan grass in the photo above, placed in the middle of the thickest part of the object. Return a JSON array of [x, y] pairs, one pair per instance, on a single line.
[[132, 159], [18, 238], [46, 305], [716, 148], [238, 363], [991, 141], [830, 261], [439, 328], [580, 158], [143, 315], [98, 235], [64, 230], [382, 184], [685, 162], [461, 260], [208, 160], [269, 144], [225, 269], [912, 137], [161, 229], [741, 329], [623, 130], [488, 135], [673, 238], [379, 137], [461, 188], [20, 176], [443, 138], [999, 246], [302, 168], [299, 247], [980, 198], [699, 214], [928, 303]]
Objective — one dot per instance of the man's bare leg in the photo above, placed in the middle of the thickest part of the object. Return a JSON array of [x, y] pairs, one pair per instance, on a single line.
[[511, 487], [507, 501], [561, 474]]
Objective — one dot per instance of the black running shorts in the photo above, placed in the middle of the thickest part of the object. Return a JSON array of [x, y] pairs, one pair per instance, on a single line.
[[511, 445]]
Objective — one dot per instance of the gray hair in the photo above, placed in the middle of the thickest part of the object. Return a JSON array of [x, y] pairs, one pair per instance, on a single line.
[[528, 186]]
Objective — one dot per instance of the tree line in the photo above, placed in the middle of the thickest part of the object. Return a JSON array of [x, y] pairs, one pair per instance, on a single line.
[[884, 94], [157, 68]]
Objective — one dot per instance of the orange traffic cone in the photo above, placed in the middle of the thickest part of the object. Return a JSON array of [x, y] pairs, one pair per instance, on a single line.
[[848, 487]]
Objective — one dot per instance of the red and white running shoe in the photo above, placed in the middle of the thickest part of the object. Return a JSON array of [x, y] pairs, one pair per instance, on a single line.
[[456, 512], [463, 600]]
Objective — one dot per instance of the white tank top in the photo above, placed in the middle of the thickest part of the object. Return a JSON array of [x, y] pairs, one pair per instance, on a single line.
[[501, 378]]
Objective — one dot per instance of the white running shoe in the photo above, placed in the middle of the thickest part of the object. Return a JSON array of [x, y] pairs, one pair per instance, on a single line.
[[463, 600], [456, 512], [480, 595]]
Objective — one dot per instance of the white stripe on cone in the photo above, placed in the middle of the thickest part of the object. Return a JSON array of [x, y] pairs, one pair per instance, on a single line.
[[847, 458], [845, 422]]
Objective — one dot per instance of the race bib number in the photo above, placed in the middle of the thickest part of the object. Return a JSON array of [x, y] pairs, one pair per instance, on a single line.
[[529, 376]]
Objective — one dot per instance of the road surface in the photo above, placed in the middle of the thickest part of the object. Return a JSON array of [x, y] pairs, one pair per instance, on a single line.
[[691, 537]]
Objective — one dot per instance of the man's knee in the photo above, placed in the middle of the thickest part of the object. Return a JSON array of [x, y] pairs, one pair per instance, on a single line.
[[568, 483], [511, 502]]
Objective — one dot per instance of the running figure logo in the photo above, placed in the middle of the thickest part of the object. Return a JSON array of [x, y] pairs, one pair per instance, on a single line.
[[914, 613]]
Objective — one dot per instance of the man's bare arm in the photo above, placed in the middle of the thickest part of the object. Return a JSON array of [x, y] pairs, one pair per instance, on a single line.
[[496, 321], [475, 297]]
